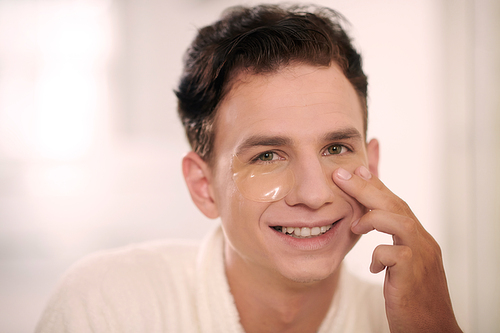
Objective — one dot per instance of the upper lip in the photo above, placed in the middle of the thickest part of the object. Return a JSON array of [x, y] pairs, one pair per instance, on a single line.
[[307, 224]]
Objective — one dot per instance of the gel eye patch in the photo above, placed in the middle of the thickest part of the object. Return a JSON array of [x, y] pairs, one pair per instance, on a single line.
[[269, 182], [263, 182]]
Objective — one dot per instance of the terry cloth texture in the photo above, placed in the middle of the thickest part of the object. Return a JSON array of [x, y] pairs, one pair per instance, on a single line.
[[176, 286]]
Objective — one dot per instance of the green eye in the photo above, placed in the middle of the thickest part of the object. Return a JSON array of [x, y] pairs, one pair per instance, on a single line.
[[267, 156], [335, 149]]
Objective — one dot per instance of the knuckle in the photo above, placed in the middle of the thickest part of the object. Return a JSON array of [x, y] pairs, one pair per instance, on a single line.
[[437, 250], [397, 205], [363, 185], [408, 225], [406, 208], [392, 204], [434, 249], [405, 253]]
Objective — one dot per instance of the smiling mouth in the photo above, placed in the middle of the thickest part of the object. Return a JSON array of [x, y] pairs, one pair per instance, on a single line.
[[304, 232]]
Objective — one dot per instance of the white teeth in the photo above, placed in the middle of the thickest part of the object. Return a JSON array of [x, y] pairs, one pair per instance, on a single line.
[[305, 232]]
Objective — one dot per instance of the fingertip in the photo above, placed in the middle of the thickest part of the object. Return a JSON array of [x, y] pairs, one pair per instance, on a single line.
[[353, 226], [363, 172], [375, 271], [342, 174], [376, 267]]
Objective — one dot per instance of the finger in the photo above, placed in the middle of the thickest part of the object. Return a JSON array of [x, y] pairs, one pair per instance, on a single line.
[[398, 258], [364, 173], [371, 192], [404, 228]]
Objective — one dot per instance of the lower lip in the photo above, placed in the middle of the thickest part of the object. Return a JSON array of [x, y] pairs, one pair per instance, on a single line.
[[309, 244]]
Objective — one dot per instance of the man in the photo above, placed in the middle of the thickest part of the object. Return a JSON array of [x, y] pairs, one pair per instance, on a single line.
[[273, 100]]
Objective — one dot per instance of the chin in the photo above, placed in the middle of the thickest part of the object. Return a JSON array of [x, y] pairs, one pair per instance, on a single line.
[[314, 268], [307, 279], [309, 272]]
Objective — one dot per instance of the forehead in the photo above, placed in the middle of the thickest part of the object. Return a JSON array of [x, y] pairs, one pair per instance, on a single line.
[[299, 101]]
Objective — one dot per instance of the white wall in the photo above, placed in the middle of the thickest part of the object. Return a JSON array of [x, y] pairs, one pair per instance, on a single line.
[[90, 144]]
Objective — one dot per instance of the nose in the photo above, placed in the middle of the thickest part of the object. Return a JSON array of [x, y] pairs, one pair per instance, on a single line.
[[313, 188]]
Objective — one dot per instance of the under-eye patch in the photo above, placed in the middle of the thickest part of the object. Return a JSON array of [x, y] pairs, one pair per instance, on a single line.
[[263, 182], [272, 181]]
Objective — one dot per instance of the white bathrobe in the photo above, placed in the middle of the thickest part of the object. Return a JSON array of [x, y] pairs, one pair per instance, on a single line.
[[174, 286]]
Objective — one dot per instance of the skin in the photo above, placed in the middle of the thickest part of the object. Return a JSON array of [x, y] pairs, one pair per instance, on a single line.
[[282, 284], [415, 288]]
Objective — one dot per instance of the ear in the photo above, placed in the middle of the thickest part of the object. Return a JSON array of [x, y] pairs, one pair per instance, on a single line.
[[198, 180], [372, 150]]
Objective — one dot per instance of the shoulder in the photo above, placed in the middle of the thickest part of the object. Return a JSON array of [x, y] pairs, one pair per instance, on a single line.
[[124, 286], [133, 265], [142, 266], [144, 259]]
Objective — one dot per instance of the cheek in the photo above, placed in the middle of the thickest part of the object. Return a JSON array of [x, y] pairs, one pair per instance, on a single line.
[[350, 164], [238, 214], [223, 188], [263, 182], [234, 208], [357, 209], [241, 222]]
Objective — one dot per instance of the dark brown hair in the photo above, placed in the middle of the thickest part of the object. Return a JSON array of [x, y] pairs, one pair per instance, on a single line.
[[259, 39]]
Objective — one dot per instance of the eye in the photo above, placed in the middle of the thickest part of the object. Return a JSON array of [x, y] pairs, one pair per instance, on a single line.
[[267, 156], [336, 149]]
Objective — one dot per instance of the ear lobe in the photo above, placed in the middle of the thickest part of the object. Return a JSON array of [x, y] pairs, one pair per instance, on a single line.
[[372, 150], [198, 180]]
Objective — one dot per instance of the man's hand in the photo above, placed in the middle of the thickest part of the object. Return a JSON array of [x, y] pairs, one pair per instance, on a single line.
[[415, 288]]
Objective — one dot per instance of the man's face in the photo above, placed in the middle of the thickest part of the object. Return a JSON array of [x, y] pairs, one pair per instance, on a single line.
[[310, 118]]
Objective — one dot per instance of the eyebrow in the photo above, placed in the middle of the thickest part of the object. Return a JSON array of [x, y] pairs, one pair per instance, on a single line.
[[343, 134], [262, 140], [277, 141]]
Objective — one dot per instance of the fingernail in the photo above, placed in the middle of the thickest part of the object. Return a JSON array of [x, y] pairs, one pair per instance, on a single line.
[[364, 173], [343, 174], [354, 223]]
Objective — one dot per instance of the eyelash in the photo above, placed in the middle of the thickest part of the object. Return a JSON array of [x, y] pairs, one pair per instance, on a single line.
[[339, 145], [257, 159]]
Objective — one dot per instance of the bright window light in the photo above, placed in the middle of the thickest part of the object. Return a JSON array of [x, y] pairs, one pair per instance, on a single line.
[[54, 109]]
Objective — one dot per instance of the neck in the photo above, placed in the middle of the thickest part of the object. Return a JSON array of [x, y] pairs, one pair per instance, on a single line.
[[269, 302]]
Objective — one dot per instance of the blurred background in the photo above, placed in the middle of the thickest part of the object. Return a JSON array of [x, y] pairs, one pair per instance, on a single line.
[[90, 143]]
